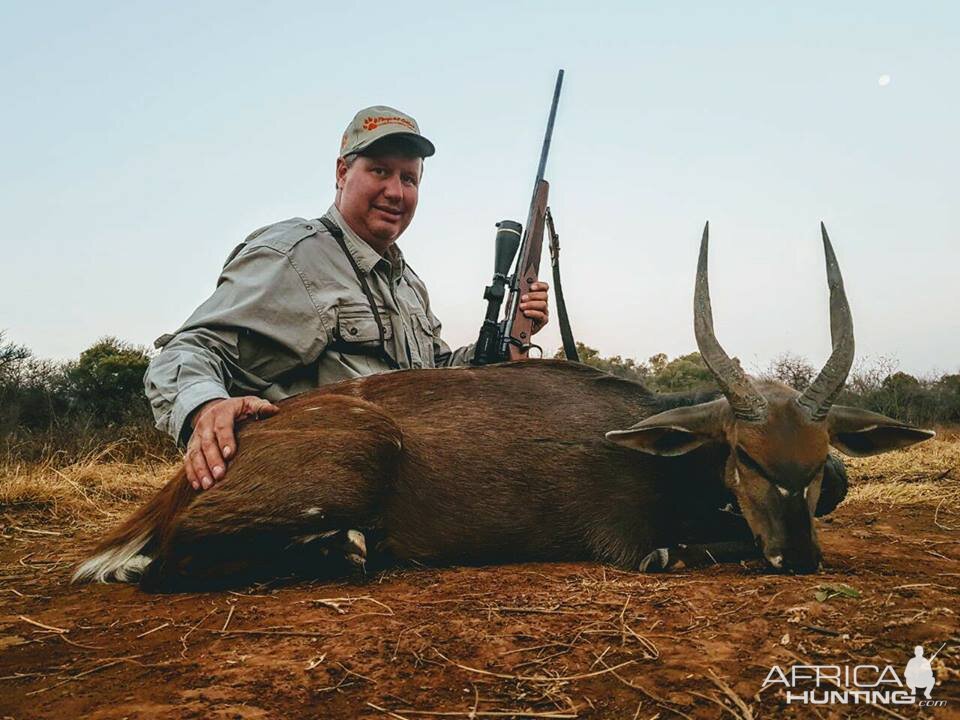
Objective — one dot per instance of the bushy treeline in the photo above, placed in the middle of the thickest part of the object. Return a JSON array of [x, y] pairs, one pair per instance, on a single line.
[[69, 409], [66, 410], [876, 385]]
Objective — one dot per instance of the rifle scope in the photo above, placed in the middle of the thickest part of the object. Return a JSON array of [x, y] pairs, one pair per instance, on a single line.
[[507, 243]]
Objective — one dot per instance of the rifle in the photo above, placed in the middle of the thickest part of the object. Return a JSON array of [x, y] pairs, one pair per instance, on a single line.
[[509, 339]]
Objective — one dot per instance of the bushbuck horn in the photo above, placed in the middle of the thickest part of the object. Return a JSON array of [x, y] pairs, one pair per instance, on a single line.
[[747, 404], [819, 397]]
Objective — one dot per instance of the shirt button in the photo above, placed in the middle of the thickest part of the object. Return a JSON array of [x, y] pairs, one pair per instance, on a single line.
[[309, 227], [353, 331]]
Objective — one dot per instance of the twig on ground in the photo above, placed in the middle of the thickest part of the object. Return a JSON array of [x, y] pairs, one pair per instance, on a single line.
[[665, 704], [25, 595], [229, 616], [68, 641], [356, 674], [714, 699], [337, 603], [98, 668], [937, 512], [183, 638], [730, 693], [292, 633], [51, 628], [534, 678], [822, 630], [158, 627], [535, 647], [531, 610], [391, 713]]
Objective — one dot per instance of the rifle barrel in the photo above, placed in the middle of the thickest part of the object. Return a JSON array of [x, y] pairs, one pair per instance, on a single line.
[[549, 133]]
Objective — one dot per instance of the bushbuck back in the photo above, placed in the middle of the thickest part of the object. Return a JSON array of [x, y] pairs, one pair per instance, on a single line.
[[532, 460]]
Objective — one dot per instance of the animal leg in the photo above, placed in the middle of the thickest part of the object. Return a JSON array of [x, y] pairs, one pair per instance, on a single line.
[[701, 555], [351, 545], [195, 558], [268, 517]]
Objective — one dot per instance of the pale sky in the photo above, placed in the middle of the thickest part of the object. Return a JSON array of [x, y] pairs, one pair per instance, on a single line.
[[142, 141]]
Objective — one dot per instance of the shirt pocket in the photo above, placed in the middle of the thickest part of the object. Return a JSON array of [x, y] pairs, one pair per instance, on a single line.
[[357, 327], [423, 331]]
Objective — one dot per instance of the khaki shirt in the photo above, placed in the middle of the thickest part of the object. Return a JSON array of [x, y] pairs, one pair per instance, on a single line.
[[289, 314]]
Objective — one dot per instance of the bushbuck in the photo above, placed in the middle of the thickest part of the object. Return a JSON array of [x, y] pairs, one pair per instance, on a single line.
[[445, 466]]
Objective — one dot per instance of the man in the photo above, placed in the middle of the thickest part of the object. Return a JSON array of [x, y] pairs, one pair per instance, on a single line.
[[303, 303]]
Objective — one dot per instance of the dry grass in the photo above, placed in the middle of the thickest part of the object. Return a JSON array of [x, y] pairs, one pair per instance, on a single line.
[[927, 473], [929, 461], [93, 486]]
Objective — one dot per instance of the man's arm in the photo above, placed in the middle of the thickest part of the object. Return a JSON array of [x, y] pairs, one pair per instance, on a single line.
[[260, 321], [190, 371]]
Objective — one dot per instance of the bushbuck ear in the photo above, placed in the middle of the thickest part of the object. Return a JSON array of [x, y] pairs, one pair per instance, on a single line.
[[860, 432], [674, 432]]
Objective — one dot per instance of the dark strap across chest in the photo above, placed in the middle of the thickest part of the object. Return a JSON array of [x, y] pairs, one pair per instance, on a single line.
[[337, 234]]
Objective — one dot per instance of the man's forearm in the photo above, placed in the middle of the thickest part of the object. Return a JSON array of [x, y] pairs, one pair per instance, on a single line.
[[184, 376], [455, 358]]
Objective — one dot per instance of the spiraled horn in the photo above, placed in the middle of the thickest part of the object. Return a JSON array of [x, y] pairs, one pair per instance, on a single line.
[[746, 402], [819, 397]]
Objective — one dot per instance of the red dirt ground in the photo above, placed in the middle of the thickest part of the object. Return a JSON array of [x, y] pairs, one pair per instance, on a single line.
[[532, 640]]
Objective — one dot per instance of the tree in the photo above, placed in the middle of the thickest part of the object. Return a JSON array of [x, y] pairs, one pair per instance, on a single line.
[[792, 370], [12, 358], [682, 373], [616, 365], [658, 362], [106, 383]]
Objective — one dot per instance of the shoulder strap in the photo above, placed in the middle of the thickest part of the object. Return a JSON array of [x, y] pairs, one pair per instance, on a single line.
[[337, 233], [566, 334]]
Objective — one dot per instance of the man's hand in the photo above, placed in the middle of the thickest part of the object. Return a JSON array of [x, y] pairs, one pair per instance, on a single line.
[[534, 305], [212, 443]]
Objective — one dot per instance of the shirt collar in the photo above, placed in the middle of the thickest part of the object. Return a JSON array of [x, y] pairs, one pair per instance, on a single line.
[[364, 255]]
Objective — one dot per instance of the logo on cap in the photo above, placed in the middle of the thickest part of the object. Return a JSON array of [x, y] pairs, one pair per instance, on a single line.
[[372, 123]]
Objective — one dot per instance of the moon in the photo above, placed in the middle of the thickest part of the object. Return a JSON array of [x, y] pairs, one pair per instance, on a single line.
[[883, 80]]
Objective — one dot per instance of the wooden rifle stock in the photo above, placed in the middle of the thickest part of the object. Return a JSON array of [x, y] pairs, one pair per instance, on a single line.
[[519, 328]]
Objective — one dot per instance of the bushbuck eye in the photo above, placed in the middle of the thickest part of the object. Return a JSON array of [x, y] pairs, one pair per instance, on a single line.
[[753, 464], [783, 487]]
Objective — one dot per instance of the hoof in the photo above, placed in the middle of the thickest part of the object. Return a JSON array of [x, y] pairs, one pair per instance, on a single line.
[[355, 548], [657, 561]]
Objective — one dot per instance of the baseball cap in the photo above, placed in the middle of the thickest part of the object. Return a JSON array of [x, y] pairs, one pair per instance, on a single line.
[[377, 122]]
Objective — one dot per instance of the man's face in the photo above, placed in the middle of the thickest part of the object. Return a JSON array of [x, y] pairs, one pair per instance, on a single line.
[[377, 196]]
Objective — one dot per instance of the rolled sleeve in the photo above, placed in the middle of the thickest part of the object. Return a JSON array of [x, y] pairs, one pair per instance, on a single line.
[[189, 371], [188, 400]]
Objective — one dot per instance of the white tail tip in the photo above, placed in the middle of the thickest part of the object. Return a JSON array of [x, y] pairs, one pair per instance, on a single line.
[[123, 563]]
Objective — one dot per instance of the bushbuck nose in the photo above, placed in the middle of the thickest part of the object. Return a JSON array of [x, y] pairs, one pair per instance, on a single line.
[[802, 560]]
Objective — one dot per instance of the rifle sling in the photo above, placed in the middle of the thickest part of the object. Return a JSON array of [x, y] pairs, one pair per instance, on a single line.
[[569, 345], [381, 351]]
